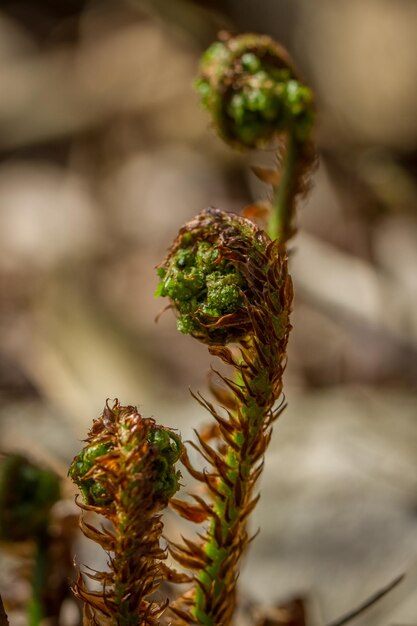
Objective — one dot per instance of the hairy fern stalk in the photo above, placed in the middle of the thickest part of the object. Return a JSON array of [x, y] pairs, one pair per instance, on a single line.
[[126, 474], [246, 300]]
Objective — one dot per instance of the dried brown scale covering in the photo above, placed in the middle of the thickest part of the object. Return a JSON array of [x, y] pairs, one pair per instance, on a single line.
[[245, 420], [127, 474]]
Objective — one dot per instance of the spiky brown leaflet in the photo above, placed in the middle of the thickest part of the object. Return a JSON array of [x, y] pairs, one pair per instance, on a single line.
[[131, 496], [245, 419]]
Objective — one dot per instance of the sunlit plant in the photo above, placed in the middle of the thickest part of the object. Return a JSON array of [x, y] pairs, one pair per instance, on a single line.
[[227, 279]]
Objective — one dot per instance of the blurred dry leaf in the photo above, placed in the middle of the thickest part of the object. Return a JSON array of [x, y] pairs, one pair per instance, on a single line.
[[3, 617], [130, 69], [268, 176], [291, 613]]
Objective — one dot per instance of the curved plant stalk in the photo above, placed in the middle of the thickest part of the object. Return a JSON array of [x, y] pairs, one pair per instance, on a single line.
[[36, 609], [244, 295], [297, 163], [126, 473], [254, 95], [229, 282]]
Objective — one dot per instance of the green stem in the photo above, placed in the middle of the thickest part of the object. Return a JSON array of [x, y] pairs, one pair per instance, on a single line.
[[36, 608], [280, 224], [233, 531]]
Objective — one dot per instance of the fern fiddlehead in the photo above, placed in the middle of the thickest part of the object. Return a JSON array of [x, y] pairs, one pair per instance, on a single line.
[[253, 93], [126, 473], [244, 296]]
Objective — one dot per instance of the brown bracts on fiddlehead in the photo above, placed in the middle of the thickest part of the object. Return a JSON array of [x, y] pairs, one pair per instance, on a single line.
[[253, 93], [230, 285], [126, 473]]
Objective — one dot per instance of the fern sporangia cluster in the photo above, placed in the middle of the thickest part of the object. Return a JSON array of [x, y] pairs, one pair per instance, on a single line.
[[126, 473], [227, 280]]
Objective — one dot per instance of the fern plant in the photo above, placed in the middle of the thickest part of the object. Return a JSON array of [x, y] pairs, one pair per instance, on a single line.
[[227, 279], [126, 474]]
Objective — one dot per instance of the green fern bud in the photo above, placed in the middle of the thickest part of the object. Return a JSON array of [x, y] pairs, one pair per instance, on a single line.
[[215, 273], [126, 473], [92, 491], [252, 92], [120, 434]]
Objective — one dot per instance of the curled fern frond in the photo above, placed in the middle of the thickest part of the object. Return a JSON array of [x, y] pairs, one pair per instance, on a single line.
[[215, 275], [258, 322], [126, 473], [28, 492], [252, 91], [229, 284]]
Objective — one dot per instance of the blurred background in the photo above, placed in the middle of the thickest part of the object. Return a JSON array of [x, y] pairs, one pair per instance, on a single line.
[[105, 152]]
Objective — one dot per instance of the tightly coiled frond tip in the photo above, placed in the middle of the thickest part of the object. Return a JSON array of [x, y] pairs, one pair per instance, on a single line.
[[122, 430], [216, 269], [252, 91], [126, 473]]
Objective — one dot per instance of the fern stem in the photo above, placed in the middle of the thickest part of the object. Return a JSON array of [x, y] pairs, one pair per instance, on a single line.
[[280, 224], [36, 608], [231, 507]]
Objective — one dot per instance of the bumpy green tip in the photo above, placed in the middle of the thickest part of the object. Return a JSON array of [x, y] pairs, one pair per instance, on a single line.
[[252, 92], [203, 285], [27, 494], [92, 491], [204, 276], [169, 448], [124, 446]]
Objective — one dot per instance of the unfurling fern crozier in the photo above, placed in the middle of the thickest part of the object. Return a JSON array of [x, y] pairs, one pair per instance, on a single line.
[[232, 288], [126, 473]]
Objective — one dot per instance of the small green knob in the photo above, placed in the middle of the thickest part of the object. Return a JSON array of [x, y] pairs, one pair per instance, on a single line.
[[204, 275], [252, 92], [126, 452]]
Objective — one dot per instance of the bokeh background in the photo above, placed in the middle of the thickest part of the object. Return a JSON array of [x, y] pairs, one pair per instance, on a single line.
[[105, 152]]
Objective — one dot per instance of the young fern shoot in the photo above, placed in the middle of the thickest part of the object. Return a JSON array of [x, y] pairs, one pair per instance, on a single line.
[[253, 93], [126, 473], [244, 296], [228, 281]]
